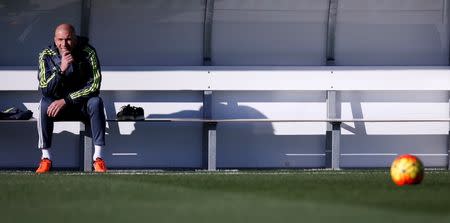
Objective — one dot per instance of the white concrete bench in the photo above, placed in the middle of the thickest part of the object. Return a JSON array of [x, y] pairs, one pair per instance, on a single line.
[[210, 79]]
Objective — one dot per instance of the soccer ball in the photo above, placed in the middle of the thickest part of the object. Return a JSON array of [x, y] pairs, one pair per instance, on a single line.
[[406, 169]]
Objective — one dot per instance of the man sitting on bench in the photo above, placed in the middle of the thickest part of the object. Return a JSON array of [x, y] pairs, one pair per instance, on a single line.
[[69, 81]]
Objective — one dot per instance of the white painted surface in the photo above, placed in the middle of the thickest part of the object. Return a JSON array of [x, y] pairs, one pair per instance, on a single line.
[[156, 80], [391, 78], [252, 78], [277, 79]]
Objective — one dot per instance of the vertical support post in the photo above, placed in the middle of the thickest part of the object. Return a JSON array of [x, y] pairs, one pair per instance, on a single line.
[[85, 136], [209, 134], [85, 142], [335, 145], [332, 135], [209, 128], [447, 18], [207, 32], [86, 148], [331, 114], [331, 31], [210, 146], [447, 21], [448, 140], [85, 17]]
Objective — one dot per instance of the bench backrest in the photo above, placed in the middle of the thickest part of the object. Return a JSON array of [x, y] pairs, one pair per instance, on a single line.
[[251, 78]]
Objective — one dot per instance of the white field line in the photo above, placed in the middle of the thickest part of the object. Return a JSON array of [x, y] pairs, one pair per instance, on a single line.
[[305, 154], [366, 154], [222, 172], [124, 154], [392, 154]]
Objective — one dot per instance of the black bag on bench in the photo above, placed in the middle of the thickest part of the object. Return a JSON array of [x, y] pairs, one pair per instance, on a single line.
[[15, 114]]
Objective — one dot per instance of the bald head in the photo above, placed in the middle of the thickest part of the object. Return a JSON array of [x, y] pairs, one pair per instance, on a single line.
[[65, 38], [65, 28]]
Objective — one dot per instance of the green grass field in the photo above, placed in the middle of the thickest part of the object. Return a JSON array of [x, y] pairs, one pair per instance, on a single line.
[[244, 196]]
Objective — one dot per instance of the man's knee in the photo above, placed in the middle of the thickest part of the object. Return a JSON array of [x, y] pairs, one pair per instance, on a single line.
[[43, 105], [95, 104]]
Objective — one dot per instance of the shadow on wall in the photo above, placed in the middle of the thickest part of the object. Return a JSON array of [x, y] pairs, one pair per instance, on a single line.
[[377, 144], [390, 105], [239, 145], [170, 145], [179, 145], [230, 107]]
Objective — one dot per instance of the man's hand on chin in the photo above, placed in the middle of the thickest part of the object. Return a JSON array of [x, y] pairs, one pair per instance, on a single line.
[[55, 107], [66, 60]]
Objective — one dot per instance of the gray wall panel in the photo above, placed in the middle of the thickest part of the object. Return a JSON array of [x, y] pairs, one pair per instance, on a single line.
[[28, 26], [138, 33], [396, 32], [284, 32]]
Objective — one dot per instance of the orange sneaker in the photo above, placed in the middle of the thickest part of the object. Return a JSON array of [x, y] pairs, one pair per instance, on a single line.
[[99, 165], [44, 166]]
